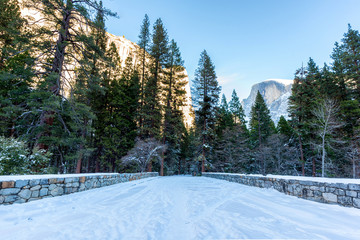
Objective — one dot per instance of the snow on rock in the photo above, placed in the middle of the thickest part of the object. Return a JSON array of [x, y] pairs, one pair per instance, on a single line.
[[178, 207], [45, 176], [276, 93]]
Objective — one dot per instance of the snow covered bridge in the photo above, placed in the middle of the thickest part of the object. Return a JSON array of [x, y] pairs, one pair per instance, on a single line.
[[178, 207]]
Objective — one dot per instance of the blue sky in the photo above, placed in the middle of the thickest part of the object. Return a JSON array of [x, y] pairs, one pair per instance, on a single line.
[[248, 40]]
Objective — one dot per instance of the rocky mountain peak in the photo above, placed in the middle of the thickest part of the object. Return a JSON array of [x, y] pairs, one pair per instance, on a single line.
[[275, 92]]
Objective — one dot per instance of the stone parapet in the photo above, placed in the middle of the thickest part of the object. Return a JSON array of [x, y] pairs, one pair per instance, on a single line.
[[344, 194], [31, 188]]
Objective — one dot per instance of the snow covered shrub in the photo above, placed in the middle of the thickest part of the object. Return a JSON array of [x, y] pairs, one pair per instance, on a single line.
[[15, 158], [39, 161], [143, 152]]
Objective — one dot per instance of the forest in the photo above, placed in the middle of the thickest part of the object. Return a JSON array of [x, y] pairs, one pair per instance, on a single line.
[[68, 105]]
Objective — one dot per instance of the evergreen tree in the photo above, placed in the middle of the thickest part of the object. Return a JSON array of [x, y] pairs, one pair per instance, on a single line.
[[152, 107], [121, 129], [174, 94], [261, 126], [301, 102], [224, 117], [284, 127], [16, 68], [237, 110], [205, 98], [144, 42]]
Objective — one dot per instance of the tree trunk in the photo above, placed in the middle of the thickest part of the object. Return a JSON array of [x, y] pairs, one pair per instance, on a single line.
[[323, 157], [313, 168], [354, 167], [142, 90], [162, 165], [302, 157], [203, 149], [78, 164], [57, 67], [149, 168]]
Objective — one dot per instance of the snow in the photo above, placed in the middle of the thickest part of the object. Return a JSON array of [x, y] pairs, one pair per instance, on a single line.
[[302, 178], [179, 207], [286, 82], [47, 176]]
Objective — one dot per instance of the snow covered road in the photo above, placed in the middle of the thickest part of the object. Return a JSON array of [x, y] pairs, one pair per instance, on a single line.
[[179, 207]]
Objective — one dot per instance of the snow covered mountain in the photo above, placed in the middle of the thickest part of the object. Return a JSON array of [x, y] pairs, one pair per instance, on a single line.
[[276, 93]]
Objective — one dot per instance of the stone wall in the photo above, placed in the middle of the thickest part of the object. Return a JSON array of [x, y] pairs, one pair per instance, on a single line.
[[25, 190], [344, 194]]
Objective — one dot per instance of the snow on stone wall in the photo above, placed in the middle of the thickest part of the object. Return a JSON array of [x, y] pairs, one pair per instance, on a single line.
[[21, 189], [344, 193]]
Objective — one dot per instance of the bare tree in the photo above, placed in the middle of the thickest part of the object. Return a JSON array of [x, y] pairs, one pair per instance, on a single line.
[[143, 152], [326, 123]]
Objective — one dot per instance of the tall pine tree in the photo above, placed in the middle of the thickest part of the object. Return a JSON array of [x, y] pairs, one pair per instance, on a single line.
[[205, 98]]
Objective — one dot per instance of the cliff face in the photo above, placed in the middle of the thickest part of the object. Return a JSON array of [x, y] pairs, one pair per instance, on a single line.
[[275, 92]]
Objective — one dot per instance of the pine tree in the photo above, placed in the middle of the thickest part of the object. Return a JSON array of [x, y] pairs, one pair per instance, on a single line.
[[16, 68], [261, 126], [121, 128], [174, 94], [152, 107], [346, 70], [237, 110], [205, 98], [303, 99], [144, 42], [284, 127], [224, 117]]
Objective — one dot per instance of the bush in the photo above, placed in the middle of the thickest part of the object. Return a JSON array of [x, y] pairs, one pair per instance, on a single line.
[[15, 158]]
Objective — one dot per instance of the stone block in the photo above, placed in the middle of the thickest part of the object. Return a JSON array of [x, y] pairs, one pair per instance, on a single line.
[[52, 180], [69, 180], [355, 187], [307, 183], [35, 194], [82, 187], [2, 199], [21, 183], [67, 190], [52, 187], [25, 193], [76, 184], [60, 180], [34, 182], [341, 185], [82, 179], [9, 191], [43, 192], [88, 184], [330, 197], [351, 194], [356, 202], [57, 191], [11, 198], [345, 201], [37, 187], [314, 188], [340, 192], [20, 201], [330, 189], [44, 181], [8, 184]]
